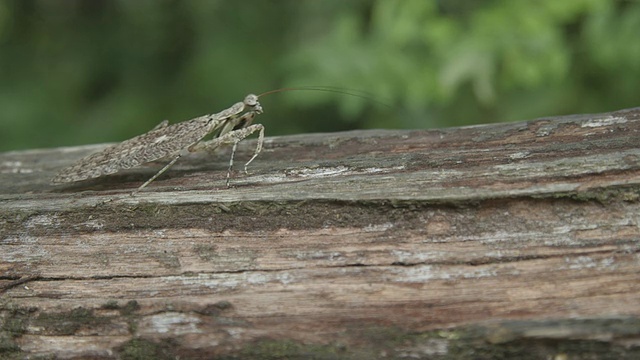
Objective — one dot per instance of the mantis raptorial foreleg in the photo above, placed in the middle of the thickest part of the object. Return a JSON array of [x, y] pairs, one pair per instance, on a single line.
[[233, 138]]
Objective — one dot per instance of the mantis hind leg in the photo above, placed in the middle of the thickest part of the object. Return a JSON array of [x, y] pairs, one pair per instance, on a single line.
[[165, 168]]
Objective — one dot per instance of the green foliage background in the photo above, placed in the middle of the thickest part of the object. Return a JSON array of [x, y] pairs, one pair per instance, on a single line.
[[87, 71]]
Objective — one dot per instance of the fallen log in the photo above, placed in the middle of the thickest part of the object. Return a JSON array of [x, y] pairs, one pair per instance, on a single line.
[[513, 240]]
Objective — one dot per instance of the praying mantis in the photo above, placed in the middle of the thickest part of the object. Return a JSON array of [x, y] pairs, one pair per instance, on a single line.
[[230, 126]]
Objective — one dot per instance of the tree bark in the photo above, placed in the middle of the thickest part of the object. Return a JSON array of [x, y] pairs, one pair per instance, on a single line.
[[514, 240]]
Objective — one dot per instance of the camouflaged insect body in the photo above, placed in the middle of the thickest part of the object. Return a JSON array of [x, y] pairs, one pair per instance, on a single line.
[[164, 141]]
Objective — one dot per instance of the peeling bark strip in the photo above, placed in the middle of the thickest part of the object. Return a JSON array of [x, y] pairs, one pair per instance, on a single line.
[[500, 241]]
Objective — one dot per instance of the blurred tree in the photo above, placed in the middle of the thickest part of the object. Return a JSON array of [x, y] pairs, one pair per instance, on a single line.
[[85, 71], [456, 62]]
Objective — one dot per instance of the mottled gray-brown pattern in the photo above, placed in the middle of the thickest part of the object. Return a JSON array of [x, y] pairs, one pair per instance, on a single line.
[[162, 141]]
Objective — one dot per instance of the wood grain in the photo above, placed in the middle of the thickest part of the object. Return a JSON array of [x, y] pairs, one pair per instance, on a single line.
[[496, 241]]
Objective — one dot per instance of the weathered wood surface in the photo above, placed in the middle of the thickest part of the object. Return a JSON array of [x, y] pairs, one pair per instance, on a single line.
[[498, 241]]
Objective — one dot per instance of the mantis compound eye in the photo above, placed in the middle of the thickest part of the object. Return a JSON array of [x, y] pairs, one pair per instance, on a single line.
[[251, 100]]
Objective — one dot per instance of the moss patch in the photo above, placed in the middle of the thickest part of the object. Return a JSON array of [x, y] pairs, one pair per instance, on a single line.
[[68, 323], [141, 349]]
